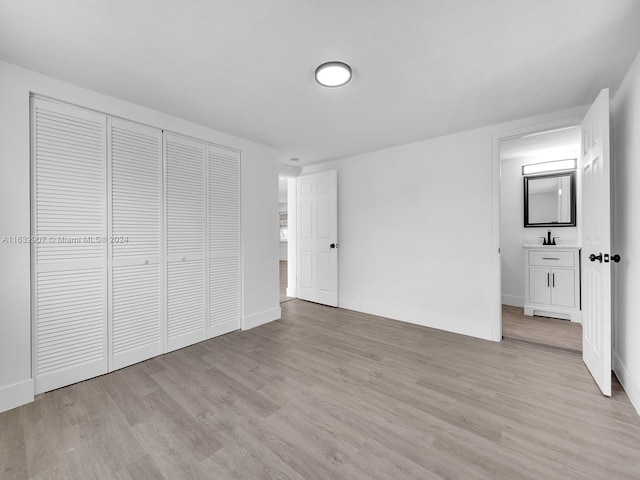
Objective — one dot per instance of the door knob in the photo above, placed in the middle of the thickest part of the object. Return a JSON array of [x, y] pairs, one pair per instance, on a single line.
[[593, 257], [333, 245], [615, 258]]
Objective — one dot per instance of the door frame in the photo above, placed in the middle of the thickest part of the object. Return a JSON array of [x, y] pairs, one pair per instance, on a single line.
[[292, 243], [561, 120]]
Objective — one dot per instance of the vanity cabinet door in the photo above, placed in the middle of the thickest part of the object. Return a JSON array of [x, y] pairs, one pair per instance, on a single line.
[[553, 283], [563, 283], [539, 285]]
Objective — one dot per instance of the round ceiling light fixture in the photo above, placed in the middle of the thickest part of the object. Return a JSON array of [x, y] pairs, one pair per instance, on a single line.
[[333, 74]]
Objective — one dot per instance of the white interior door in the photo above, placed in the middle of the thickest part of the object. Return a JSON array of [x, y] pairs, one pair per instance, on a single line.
[[69, 259], [185, 208], [317, 238], [136, 327], [224, 240], [596, 239]]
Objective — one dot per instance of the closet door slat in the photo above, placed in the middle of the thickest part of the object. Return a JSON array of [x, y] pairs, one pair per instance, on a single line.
[[68, 214], [136, 228], [224, 240], [185, 227]]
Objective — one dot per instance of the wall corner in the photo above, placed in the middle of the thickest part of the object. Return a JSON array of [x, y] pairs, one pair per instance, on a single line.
[[16, 394]]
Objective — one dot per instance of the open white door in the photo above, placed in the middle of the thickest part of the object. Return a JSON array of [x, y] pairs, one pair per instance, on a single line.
[[317, 238], [596, 240]]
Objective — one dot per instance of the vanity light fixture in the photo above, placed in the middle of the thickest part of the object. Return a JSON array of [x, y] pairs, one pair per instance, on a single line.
[[333, 74], [555, 166]]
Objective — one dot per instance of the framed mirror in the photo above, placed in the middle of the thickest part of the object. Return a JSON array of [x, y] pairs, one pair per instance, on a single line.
[[550, 200]]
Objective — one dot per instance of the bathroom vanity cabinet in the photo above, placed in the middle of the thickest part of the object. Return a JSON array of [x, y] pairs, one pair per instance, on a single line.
[[552, 281]]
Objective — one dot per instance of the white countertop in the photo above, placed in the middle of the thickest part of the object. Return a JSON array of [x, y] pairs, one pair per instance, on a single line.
[[552, 247]]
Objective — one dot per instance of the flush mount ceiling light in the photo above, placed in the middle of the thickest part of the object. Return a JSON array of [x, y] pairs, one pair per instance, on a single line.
[[333, 74]]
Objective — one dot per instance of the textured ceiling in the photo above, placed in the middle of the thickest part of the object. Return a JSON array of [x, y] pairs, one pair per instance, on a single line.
[[422, 68]]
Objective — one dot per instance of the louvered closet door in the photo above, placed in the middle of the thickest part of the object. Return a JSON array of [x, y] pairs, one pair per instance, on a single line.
[[136, 226], [69, 259], [185, 206], [224, 240]]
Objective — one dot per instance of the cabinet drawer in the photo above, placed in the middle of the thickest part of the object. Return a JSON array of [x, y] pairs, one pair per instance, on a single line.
[[551, 258]]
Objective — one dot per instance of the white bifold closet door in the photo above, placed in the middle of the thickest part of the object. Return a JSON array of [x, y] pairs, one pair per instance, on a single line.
[[69, 224], [136, 327], [186, 230], [224, 240], [137, 243]]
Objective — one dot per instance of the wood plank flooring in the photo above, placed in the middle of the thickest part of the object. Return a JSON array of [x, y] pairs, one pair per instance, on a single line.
[[283, 282], [331, 394], [542, 330]]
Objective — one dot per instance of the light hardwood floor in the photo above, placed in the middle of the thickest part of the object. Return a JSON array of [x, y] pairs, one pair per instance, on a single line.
[[551, 332], [331, 394]]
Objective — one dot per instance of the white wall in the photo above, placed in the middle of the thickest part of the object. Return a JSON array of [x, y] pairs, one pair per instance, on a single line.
[[626, 238], [283, 245], [259, 208], [513, 233], [418, 232]]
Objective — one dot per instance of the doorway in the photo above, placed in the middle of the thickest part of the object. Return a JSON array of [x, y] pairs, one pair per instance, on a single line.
[[285, 230], [540, 284]]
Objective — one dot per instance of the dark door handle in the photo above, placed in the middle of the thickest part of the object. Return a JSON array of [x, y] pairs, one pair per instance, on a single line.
[[593, 257], [615, 258], [553, 280], [333, 245], [547, 280]]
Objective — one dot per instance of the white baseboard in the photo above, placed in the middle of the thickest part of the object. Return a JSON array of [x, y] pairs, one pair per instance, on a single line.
[[473, 328], [291, 292], [513, 300], [260, 318], [16, 394], [628, 383]]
